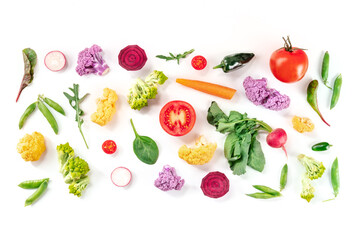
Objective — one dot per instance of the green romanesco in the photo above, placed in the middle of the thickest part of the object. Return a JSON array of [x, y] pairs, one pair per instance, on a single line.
[[142, 90], [77, 186], [314, 169], [73, 169], [308, 190]]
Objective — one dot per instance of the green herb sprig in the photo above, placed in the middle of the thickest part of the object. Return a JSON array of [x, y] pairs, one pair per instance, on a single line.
[[177, 57], [75, 102]]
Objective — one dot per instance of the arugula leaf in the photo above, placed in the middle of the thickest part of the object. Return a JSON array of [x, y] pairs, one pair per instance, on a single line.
[[177, 57]]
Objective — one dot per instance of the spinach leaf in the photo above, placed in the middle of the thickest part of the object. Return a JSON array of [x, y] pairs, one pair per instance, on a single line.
[[145, 148], [256, 156]]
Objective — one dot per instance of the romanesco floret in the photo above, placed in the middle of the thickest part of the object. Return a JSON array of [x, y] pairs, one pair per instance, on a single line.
[[308, 190], [76, 187], [142, 90], [74, 169], [314, 169]]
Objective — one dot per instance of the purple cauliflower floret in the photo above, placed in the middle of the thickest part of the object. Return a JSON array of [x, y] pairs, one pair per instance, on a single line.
[[168, 180], [257, 92], [91, 61]]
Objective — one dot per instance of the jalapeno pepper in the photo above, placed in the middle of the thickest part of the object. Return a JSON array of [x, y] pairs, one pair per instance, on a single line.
[[321, 146], [234, 61]]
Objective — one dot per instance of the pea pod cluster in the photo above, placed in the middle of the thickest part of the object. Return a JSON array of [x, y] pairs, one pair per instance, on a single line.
[[40, 103], [266, 192], [40, 185]]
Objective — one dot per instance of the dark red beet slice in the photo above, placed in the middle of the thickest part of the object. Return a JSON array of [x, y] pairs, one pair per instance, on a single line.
[[132, 58], [215, 185]]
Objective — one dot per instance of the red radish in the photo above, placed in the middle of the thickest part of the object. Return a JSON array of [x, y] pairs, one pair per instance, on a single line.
[[121, 176], [277, 139], [132, 58], [215, 184], [55, 61]]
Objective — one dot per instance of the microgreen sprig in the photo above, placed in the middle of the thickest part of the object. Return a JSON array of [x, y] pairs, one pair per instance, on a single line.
[[177, 57]]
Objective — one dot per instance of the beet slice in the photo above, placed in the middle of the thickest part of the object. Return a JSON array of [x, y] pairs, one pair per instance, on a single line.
[[132, 58], [215, 184]]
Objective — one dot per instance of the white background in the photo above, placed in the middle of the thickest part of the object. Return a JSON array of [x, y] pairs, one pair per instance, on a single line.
[[213, 30]]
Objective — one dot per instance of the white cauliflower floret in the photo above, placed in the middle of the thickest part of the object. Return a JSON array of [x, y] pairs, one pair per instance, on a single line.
[[199, 154]]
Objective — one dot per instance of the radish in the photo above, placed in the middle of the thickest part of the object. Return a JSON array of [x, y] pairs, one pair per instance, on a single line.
[[277, 139], [55, 61], [121, 176]]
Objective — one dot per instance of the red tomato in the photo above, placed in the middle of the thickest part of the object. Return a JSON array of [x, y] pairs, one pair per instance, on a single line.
[[289, 64], [198, 62], [109, 147], [177, 118]]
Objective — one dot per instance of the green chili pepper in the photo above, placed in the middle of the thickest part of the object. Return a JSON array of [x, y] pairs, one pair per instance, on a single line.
[[325, 69], [37, 194], [261, 195], [30, 109], [321, 146], [283, 177], [234, 61], [48, 115], [54, 105], [32, 184], [336, 91], [312, 98], [335, 178]]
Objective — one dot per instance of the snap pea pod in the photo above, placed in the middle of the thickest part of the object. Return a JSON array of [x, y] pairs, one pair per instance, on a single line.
[[321, 146], [325, 69], [30, 109], [37, 194], [336, 91], [312, 98], [283, 177], [335, 178], [48, 115], [54, 105], [32, 184], [261, 195], [266, 189]]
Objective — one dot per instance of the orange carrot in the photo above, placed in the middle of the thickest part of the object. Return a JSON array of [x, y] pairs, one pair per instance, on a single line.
[[209, 88]]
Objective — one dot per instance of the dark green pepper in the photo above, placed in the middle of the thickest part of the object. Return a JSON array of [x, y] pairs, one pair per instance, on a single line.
[[321, 146], [234, 61]]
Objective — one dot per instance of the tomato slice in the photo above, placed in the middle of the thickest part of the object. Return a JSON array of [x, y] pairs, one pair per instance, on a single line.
[[109, 147], [198, 62], [177, 118]]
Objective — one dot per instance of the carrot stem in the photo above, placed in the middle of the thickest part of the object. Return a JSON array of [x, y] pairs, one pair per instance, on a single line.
[[209, 88]]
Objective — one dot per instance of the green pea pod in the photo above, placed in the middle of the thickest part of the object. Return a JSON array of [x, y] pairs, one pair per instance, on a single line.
[[49, 117], [283, 177], [267, 190], [54, 105], [30, 109], [336, 91], [321, 146], [325, 69], [37, 194], [261, 195], [335, 178], [32, 184], [312, 98]]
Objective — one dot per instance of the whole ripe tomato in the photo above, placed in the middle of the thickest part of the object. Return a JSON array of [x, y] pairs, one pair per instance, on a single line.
[[289, 64], [177, 118]]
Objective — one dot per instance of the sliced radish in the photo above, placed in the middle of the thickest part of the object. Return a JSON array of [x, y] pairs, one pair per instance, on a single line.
[[121, 176], [55, 61]]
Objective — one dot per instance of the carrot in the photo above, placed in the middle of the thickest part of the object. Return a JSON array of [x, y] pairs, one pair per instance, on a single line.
[[209, 88]]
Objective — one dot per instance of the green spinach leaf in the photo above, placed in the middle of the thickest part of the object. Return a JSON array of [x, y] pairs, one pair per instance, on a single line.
[[256, 156]]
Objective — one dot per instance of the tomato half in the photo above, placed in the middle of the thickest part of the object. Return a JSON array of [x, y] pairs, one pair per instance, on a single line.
[[109, 147], [289, 64], [177, 118]]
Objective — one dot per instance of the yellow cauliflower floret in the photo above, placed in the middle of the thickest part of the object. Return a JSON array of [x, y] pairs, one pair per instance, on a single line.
[[31, 146], [199, 154], [105, 107], [302, 124]]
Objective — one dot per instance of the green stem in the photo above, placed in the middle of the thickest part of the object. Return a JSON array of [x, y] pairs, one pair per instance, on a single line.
[[218, 66], [133, 127]]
